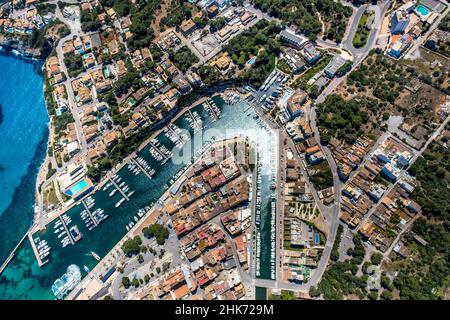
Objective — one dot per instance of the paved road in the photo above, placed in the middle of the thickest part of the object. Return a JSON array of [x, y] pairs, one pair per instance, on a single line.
[[358, 54]]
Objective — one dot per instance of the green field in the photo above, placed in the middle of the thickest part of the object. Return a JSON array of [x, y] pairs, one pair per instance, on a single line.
[[362, 33]]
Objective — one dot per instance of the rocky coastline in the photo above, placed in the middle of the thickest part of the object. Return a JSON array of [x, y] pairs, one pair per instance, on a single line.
[[18, 47]]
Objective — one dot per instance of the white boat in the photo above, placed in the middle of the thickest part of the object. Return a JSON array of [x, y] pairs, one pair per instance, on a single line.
[[96, 256], [118, 204], [112, 192]]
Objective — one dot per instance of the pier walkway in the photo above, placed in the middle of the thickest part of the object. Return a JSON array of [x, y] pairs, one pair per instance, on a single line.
[[33, 246], [195, 123], [142, 169], [13, 253], [159, 151], [120, 190], [67, 230], [89, 213], [213, 113], [176, 134]]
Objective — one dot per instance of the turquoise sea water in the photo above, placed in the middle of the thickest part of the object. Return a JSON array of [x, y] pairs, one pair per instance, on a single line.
[[23, 139]]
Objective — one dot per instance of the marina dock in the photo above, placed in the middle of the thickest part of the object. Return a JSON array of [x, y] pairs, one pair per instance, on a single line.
[[159, 151], [43, 222], [120, 190], [213, 113], [89, 213], [13, 253], [196, 125], [142, 169], [67, 230], [35, 251], [176, 134]]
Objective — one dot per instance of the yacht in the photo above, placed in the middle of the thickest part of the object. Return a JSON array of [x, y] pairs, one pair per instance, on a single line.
[[76, 234], [96, 256], [67, 282], [118, 204], [112, 192]]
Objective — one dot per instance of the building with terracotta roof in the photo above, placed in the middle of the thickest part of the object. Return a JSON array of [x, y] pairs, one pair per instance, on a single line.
[[187, 27]]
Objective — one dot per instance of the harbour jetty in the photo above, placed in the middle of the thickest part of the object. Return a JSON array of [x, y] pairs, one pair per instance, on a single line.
[[13, 253]]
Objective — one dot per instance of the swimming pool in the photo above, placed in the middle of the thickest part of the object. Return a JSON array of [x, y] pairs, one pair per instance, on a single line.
[[422, 10], [316, 239], [77, 188], [251, 61]]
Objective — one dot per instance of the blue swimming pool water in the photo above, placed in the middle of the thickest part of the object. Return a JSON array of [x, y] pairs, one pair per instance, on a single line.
[[77, 188], [252, 61], [422, 10], [316, 238]]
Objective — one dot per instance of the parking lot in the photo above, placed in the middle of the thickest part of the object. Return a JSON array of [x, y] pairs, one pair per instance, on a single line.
[[267, 95]]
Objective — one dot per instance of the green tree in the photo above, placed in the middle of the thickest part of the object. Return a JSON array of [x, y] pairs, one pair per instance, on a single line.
[[376, 258], [126, 282], [135, 283], [386, 295]]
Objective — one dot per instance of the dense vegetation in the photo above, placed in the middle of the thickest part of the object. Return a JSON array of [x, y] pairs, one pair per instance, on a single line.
[[40, 39], [140, 25], [444, 25], [334, 255], [44, 8], [178, 11], [362, 32], [342, 118], [129, 80], [260, 41], [121, 7], [159, 232], [61, 122], [132, 246], [89, 20], [433, 173], [323, 177], [283, 66], [74, 64], [340, 280], [210, 75], [381, 76], [285, 295], [183, 58], [304, 14]]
